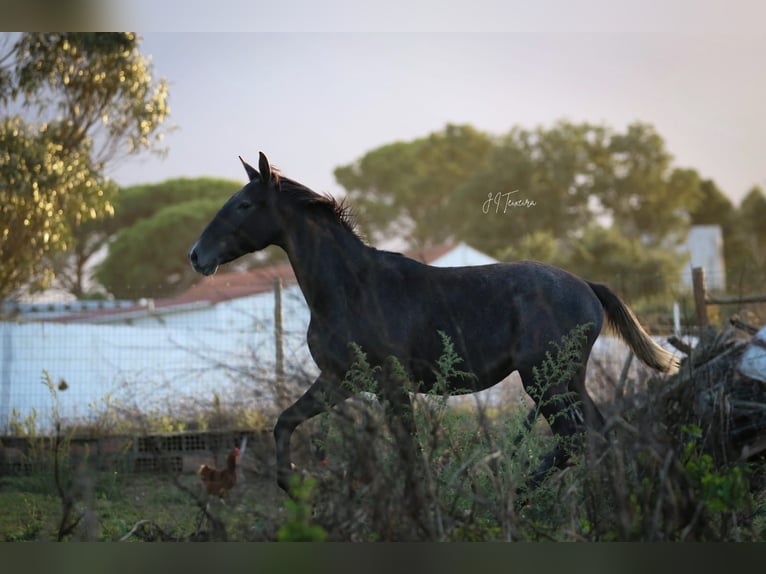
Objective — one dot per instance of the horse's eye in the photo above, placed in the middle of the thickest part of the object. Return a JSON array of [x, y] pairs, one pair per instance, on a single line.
[[244, 205]]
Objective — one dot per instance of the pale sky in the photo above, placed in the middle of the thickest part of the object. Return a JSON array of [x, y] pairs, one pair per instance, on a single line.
[[315, 100]]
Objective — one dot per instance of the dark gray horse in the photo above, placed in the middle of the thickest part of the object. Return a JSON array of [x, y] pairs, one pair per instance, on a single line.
[[501, 318]]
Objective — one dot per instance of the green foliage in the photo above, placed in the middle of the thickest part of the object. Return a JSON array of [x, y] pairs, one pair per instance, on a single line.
[[471, 461], [537, 246], [94, 101], [143, 201], [298, 527], [361, 377], [45, 191], [173, 212], [407, 188], [745, 245], [576, 174], [713, 208], [98, 85], [548, 166], [148, 259], [558, 367], [446, 371], [641, 191], [720, 489], [25, 516], [633, 268], [646, 478]]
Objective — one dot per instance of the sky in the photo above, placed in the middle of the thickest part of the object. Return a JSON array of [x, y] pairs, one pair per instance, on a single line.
[[314, 100]]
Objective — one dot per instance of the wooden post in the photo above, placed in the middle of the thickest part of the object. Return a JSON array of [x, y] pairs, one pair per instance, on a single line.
[[700, 295], [279, 337]]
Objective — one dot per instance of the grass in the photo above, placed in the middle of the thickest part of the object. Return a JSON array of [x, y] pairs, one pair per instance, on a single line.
[[470, 497], [31, 513]]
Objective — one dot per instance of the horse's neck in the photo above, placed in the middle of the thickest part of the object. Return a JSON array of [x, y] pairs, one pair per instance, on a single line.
[[326, 259]]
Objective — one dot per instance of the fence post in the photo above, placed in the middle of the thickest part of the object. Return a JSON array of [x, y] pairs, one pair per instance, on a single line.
[[700, 295], [279, 336], [5, 375]]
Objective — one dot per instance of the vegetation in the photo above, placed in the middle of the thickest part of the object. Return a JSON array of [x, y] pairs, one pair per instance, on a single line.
[[130, 272], [71, 104], [568, 194], [649, 478]]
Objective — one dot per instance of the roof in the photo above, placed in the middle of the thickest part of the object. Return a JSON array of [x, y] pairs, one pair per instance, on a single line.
[[235, 284]]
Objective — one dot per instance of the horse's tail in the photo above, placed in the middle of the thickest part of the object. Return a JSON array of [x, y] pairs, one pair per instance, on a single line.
[[622, 320]]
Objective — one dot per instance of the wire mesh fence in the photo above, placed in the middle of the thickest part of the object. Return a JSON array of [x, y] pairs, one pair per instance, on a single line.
[[167, 365], [84, 362]]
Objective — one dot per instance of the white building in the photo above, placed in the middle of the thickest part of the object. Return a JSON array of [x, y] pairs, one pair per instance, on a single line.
[[704, 245]]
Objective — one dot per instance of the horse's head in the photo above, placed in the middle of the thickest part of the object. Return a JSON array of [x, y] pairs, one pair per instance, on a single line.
[[247, 222]]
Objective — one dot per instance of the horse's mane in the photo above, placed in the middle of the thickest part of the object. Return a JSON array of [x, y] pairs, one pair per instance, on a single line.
[[302, 195]]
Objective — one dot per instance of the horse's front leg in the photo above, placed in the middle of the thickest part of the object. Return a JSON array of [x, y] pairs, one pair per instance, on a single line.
[[325, 393]]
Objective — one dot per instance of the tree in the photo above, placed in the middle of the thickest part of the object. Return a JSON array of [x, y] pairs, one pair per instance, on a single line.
[[43, 189], [630, 267], [148, 259], [746, 255], [752, 213], [94, 86], [536, 246], [145, 214], [406, 188], [90, 100], [543, 173], [713, 207], [638, 189], [131, 205], [537, 193]]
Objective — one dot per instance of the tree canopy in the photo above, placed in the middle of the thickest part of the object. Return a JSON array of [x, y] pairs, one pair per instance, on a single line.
[[545, 193], [407, 188], [152, 229], [43, 190], [148, 259], [71, 104]]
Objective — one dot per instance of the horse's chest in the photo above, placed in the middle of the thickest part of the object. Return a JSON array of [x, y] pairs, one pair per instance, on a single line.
[[328, 344]]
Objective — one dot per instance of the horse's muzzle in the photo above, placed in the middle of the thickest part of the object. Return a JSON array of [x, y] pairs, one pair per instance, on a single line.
[[208, 269]]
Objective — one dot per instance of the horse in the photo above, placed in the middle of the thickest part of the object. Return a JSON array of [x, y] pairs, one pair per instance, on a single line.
[[500, 317]]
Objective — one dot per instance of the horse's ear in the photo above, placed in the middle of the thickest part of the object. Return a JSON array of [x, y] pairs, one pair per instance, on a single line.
[[251, 173], [263, 165]]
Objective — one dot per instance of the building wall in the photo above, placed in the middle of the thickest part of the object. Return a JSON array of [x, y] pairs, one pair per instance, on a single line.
[[462, 256], [147, 369], [704, 245]]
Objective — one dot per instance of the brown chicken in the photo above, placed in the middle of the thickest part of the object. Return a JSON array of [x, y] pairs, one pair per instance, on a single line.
[[219, 482]]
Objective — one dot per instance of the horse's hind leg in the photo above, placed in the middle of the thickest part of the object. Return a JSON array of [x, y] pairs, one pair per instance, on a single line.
[[593, 417], [401, 421], [562, 408]]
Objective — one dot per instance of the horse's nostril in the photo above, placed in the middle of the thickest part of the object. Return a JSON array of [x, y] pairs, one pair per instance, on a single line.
[[193, 256]]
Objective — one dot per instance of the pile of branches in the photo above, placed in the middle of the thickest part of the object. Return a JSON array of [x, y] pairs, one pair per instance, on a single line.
[[711, 391]]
